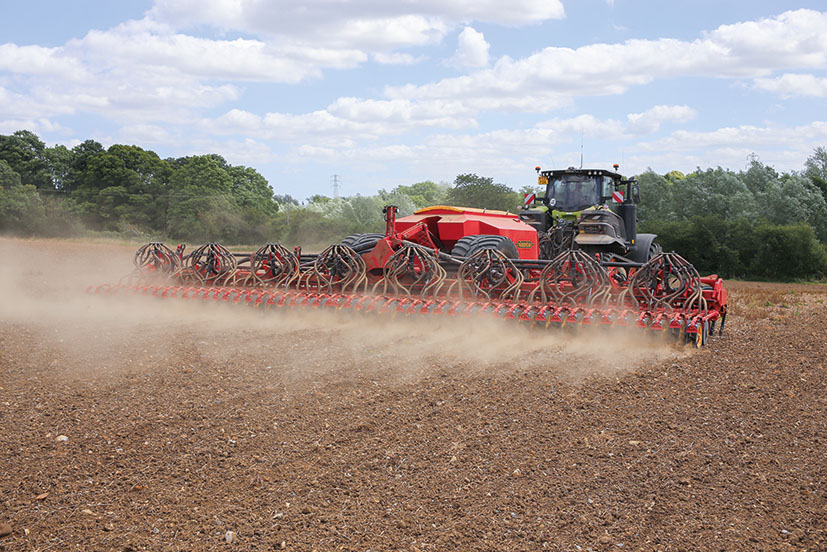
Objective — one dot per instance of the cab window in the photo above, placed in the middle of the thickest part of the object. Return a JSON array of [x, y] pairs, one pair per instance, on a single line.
[[608, 188]]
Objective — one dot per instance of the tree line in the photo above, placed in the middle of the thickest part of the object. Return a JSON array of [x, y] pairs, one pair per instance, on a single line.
[[754, 223]]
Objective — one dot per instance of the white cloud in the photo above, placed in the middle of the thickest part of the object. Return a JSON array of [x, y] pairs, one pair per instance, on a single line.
[[396, 58], [362, 21], [147, 70], [548, 78], [37, 60], [497, 151], [11, 125], [650, 120], [791, 84], [472, 50], [353, 124], [746, 137], [14, 105], [239, 59], [344, 120], [145, 134], [342, 34], [246, 151]]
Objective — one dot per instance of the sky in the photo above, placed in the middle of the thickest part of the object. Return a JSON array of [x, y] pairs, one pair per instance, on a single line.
[[383, 93]]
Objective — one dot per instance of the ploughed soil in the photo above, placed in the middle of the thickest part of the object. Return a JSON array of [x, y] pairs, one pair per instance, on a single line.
[[153, 425]]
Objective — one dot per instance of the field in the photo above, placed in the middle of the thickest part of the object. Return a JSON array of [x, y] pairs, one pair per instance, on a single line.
[[157, 426]]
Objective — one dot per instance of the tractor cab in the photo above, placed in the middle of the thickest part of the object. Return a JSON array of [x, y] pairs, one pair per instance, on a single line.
[[574, 190], [590, 209], [570, 192]]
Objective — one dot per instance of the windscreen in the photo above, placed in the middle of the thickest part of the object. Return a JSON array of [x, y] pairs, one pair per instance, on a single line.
[[573, 192]]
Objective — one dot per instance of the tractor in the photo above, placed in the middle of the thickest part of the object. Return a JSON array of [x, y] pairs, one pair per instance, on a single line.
[[573, 261], [590, 209]]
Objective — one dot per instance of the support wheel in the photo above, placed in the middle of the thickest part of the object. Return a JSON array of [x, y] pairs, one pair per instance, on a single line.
[[468, 245], [362, 242], [701, 338]]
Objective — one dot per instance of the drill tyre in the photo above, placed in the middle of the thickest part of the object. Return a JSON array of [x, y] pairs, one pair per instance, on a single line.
[[362, 242], [468, 245]]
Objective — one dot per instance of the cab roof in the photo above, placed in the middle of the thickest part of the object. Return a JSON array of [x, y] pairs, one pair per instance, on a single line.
[[581, 172]]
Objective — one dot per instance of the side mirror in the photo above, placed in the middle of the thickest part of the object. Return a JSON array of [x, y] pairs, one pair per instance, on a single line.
[[635, 193]]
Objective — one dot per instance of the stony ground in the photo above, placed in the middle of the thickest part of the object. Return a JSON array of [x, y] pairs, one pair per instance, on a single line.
[[153, 426]]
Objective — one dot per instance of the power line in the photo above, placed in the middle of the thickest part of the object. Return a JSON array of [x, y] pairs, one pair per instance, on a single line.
[[335, 182]]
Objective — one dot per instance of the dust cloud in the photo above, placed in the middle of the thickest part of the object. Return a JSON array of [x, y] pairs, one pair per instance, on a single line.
[[43, 285]]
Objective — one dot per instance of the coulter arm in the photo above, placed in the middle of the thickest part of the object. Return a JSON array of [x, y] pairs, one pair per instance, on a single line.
[[665, 296]]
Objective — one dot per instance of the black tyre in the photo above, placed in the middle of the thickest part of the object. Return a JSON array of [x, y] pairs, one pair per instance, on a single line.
[[362, 242], [468, 245]]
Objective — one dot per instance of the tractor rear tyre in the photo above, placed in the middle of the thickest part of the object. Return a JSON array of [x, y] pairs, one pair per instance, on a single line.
[[362, 242], [468, 245]]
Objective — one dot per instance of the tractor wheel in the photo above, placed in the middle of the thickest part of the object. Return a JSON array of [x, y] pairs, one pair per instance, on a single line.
[[468, 245], [362, 242]]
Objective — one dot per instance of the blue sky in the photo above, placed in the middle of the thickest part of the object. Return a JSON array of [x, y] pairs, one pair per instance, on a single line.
[[387, 93]]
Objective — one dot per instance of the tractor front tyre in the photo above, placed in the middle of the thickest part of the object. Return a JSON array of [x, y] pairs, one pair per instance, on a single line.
[[468, 245], [362, 242]]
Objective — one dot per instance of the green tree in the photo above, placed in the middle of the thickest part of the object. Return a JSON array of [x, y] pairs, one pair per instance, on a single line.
[[815, 168], [285, 199], [787, 252], [402, 201], [743, 249], [147, 185], [8, 177], [794, 199], [200, 189], [60, 160], [80, 158], [657, 197], [319, 199], [21, 210], [715, 192], [26, 155], [422, 194], [124, 184], [364, 214], [471, 190], [103, 209], [252, 191]]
